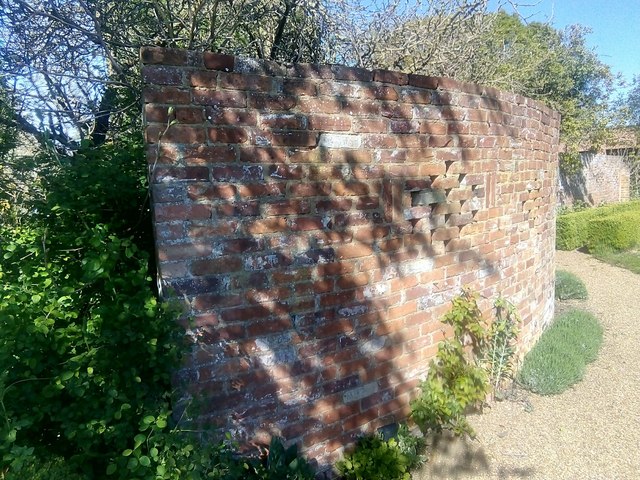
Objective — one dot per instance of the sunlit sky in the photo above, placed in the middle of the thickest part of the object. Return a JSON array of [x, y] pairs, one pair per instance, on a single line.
[[615, 26]]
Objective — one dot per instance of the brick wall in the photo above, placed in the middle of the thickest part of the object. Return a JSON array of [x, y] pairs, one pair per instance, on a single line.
[[602, 179], [317, 220]]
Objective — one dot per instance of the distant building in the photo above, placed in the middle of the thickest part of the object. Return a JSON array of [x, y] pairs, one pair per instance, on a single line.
[[606, 176]]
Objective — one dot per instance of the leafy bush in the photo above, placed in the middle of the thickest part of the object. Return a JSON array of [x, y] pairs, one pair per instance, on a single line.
[[572, 229], [281, 463], [616, 232], [411, 446], [375, 458], [88, 351], [569, 286], [455, 381], [559, 358]]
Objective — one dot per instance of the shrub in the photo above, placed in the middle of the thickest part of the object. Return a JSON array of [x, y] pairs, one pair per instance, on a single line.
[[375, 458], [87, 349], [559, 358], [501, 344], [616, 232], [411, 446], [455, 381], [569, 286], [572, 229]]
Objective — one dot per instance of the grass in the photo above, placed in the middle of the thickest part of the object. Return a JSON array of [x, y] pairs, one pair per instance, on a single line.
[[629, 259], [569, 286], [559, 359]]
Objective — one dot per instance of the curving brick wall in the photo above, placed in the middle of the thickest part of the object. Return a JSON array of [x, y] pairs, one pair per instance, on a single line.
[[317, 220]]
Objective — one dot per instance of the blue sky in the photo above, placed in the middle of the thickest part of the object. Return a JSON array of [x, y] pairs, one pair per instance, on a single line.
[[615, 26]]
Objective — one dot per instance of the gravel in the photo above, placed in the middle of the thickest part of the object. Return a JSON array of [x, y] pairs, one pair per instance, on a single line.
[[591, 431]]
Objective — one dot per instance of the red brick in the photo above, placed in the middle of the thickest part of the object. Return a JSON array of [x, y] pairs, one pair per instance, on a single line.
[[334, 205], [319, 105], [163, 56], [360, 107], [262, 154], [237, 173], [230, 116], [183, 251], [261, 190], [167, 174], [269, 225], [329, 122], [299, 87], [306, 224], [162, 75], [350, 189], [298, 138], [285, 172], [310, 189], [215, 266], [240, 81], [423, 81], [175, 134], [217, 61], [166, 95], [220, 99], [354, 251], [227, 228], [228, 135], [238, 209], [203, 79], [351, 73], [387, 76], [287, 207], [272, 102], [283, 121], [166, 213], [273, 325]]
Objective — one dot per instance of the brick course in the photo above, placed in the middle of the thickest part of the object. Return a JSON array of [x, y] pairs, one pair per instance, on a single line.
[[288, 218], [602, 179]]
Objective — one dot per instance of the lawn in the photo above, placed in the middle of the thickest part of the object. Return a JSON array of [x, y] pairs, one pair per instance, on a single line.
[[629, 259]]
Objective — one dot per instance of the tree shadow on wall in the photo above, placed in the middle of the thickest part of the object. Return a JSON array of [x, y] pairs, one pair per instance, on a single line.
[[324, 296]]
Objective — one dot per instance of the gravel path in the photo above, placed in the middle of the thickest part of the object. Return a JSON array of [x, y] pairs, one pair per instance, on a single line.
[[591, 431]]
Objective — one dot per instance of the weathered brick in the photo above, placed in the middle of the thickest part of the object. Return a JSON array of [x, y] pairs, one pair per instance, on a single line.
[[166, 95], [173, 174], [237, 173], [239, 81], [163, 56], [287, 207], [308, 257], [387, 76], [219, 99], [329, 122], [175, 134], [162, 75], [203, 79], [272, 103], [167, 213], [228, 135], [217, 61]]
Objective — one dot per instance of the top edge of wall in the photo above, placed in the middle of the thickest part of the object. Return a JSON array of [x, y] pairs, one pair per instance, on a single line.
[[252, 66]]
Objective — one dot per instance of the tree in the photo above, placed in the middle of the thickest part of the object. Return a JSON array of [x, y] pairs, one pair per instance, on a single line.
[[557, 68], [76, 68], [464, 41]]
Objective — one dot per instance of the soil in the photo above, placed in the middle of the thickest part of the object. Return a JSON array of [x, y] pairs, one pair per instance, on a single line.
[[591, 431]]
